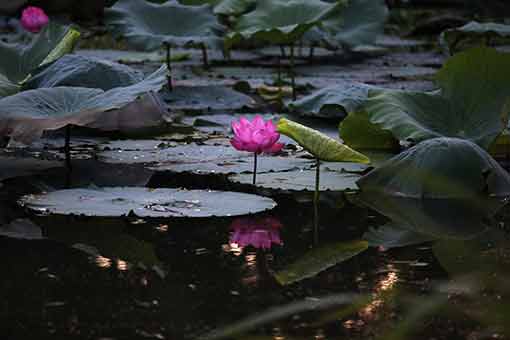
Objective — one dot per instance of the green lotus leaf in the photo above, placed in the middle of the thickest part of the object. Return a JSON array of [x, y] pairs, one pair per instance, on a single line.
[[27, 114], [7, 87], [320, 259], [449, 218], [18, 61], [80, 71], [392, 235], [357, 22], [472, 34], [280, 22], [473, 103], [439, 168], [335, 101], [358, 132], [147, 26], [224, 7], [318, 144]]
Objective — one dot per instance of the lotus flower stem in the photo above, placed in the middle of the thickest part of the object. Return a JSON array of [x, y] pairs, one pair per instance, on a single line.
[[292, 77], [279, 71], [205, 58], [316, 197], [282, 51], [67, 147], [254, 168], [169, 65], [311, 55]]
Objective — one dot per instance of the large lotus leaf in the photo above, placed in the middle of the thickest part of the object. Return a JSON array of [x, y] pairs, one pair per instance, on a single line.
[[79, 71], [22, 229], [224, 7], [302, 180], [147, 202], [439, 168], [357, 22], [18, 60], [394, 236], [147, 26], [280, 21], [450, 218], [319, 259], [206, 98], [473, 102], [7, 87], [473, 34], [358, 132], [335, 101], [26, 115], [318, 144]]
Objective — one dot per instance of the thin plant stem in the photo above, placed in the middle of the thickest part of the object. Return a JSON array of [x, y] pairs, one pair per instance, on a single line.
[[316, 197], [279, 71], [254, 168], [67, 148], [169, 65], [282, 51], [311, 55], [292, 77], [205, 58]]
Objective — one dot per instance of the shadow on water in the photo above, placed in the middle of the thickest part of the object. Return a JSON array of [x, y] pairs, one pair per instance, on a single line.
[[434, 268]]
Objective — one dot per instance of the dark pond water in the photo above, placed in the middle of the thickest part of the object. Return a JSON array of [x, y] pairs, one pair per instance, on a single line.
[[127, 278]]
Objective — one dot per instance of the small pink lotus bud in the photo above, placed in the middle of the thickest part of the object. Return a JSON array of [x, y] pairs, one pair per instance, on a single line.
[[256, 136], [258, 233], [33, 19]]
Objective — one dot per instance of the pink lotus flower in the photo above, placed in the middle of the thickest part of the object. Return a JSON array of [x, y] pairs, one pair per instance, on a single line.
[[256, 136], [33, 19], [259, 233]]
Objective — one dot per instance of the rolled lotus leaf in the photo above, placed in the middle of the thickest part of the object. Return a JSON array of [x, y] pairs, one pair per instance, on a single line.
[[318, 144], [439, 168]]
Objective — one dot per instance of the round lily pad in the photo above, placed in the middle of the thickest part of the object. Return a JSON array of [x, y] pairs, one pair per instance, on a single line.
[[146, 202], [199, 159], [301, 180]]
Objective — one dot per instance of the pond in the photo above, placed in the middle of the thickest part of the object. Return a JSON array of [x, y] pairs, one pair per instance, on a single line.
[[185, 179]]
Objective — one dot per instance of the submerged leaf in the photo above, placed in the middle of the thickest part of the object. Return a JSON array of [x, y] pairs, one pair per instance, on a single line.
[[147, 26], [439, 168], [472, 104], [147, 202], [320, 259], [319, 145]]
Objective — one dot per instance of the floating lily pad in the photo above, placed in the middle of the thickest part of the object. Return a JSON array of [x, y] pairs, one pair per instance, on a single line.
[[147, 26], [301, 180], [199, 159], [320, 259], [146, 202], [80, 71], [206, 98], [439, 168]]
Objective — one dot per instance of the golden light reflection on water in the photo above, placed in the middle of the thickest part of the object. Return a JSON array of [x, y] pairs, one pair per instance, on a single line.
[[105, 263], [370, 311]]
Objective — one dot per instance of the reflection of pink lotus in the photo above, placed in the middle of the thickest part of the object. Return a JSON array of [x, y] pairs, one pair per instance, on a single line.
[[33, 19], [259, 233]]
